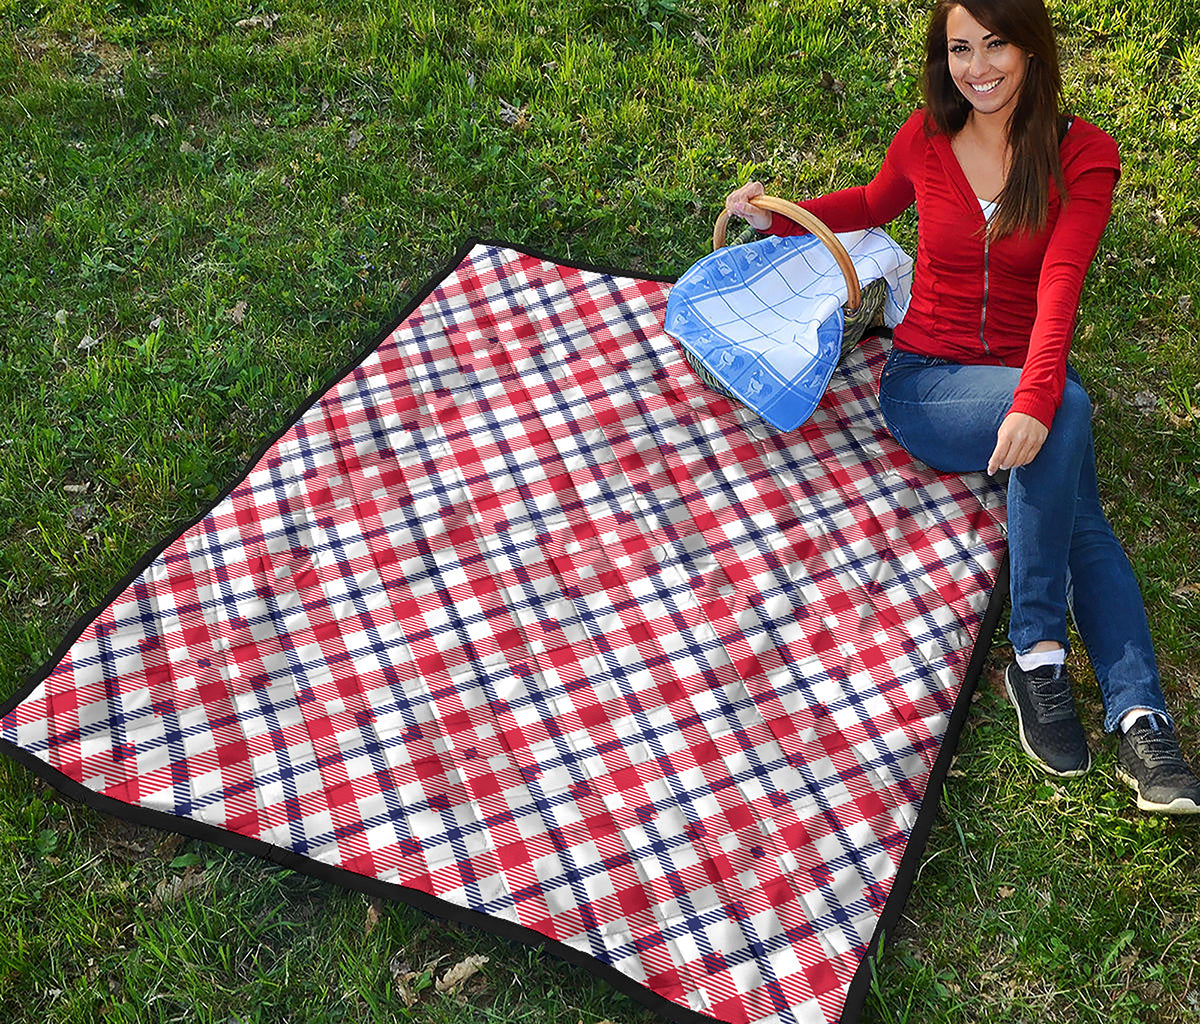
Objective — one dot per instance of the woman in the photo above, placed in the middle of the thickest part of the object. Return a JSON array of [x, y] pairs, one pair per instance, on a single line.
[[1012, 198]]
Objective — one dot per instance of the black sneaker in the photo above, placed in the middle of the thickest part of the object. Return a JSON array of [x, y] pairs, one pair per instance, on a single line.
[[1149, 760], [1051, 732]]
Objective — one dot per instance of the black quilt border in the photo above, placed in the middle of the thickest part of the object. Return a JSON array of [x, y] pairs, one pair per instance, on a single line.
[[909, 864]]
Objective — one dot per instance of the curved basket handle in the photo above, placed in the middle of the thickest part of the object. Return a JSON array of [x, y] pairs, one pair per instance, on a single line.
[[813, 224]]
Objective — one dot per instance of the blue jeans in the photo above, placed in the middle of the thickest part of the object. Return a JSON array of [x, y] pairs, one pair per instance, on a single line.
[[1062, 551]]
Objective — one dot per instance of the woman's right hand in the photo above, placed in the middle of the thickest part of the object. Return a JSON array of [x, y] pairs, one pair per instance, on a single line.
[[737, 204]]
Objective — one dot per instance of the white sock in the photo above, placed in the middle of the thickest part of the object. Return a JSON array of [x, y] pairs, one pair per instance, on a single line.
[[1036, 659], [1128, 719]]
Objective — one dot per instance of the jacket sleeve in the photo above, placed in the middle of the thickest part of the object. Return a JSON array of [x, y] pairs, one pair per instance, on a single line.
[[1069, 253], [880, 201]]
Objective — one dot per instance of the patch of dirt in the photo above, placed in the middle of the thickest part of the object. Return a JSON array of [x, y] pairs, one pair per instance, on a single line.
[[120, 840], [85, 55]]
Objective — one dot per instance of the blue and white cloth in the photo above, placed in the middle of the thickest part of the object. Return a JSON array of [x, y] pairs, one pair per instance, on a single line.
[[765, 319]]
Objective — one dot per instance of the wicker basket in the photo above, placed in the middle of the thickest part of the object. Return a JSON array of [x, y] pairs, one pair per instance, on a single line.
[[863, 308]]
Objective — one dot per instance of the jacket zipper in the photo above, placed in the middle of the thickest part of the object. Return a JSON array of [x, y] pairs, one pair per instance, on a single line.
[[983, 309]]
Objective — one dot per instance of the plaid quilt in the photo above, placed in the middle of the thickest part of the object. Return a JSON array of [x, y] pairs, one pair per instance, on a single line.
[[520, 622]]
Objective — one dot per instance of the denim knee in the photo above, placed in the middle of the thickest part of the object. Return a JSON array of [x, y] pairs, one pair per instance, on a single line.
[[1072, 424]]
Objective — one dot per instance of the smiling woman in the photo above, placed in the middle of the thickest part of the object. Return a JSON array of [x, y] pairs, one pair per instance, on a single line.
[[1012, 198], [997, 89]]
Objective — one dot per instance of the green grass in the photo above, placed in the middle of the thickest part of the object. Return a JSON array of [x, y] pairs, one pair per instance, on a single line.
[[229, 213]]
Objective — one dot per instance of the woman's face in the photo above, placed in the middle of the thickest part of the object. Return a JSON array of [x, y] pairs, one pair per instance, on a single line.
[[987, 69]]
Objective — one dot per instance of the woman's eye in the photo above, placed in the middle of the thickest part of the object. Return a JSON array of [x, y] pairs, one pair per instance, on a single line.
[[997, 43], [958, 48]]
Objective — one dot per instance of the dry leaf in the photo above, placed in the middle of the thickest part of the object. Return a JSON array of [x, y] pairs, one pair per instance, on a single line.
[[170, 889], [403, 976], [186, 147], [87, 341], [354, 139], [60, 317], [257, 21], [158, 120], [406, 992], [169, 846], [510, 114], [132, 851], [156, 323], [75, 488], [374, 913], [460, 972], [1005, 891], [238, 313]]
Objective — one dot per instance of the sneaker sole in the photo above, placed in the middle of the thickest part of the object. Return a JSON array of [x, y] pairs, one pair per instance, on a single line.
[[1072, 773], [1180, 805]]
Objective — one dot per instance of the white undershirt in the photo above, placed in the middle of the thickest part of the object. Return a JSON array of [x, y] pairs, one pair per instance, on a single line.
[[988, 206]]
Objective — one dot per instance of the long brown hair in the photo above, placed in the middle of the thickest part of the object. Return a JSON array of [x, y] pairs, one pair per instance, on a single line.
[[1035, 125]]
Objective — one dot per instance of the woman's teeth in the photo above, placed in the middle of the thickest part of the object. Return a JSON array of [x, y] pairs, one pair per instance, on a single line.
[[986, 88]]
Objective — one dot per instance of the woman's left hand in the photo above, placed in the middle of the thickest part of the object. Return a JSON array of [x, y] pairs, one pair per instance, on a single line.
[[1019, 439]]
